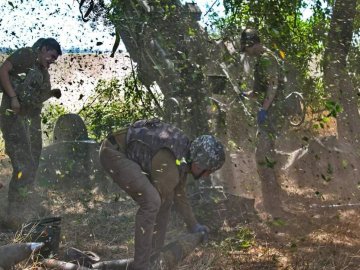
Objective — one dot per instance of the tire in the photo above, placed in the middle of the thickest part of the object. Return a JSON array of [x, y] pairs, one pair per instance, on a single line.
[[296, 109]]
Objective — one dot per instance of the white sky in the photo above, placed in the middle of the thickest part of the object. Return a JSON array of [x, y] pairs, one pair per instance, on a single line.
[[59, 19], [33, 19]]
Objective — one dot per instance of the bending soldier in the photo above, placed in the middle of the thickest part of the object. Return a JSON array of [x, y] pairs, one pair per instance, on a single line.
[[150, 161], [25, 81]]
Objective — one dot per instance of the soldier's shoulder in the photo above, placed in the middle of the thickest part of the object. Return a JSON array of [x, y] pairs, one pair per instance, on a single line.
[[268, 59], [24, 51], [23, 54]]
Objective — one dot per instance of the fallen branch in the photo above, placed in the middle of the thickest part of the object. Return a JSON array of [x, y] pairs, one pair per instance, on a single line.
[[125, 264]]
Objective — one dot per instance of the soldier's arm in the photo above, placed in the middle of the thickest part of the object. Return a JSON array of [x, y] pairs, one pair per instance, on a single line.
[[270, 93], [47, 94], [183, 206], [30, 90], [46, 91], [271, 77], [6, 85], [5, 68]]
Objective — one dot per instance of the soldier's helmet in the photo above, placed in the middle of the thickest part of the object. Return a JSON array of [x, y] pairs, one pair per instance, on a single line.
[[207, 152], [248, 38]]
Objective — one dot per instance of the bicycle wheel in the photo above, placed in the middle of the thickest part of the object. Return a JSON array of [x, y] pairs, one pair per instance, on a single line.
[[296, 109]]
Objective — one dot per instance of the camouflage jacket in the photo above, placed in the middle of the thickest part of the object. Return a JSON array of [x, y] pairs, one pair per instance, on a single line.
[[146, 137], [31, 83], [268, 67]]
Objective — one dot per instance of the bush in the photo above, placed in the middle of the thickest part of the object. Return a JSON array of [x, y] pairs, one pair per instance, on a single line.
[[114, 105]]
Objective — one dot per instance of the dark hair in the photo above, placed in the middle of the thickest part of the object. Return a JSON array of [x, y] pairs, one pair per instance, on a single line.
[[38, 44], [50, 43]]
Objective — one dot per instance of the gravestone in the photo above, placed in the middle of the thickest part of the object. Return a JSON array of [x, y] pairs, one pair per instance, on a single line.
[[70, 127], [72, 155]]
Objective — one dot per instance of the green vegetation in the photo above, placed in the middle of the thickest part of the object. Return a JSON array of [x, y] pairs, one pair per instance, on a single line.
[[116, 104], [113, 105]]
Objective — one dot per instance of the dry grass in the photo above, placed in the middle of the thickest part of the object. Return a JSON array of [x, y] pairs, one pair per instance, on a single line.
[[98, 216]]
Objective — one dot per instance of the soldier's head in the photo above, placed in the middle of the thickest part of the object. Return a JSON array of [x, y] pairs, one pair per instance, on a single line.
[[38, 43], [207, 155], [49, 51], [249, 38]]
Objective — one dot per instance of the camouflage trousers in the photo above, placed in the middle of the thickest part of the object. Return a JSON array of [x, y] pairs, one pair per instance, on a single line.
[[23, 145], [153, 214], [266, 162]]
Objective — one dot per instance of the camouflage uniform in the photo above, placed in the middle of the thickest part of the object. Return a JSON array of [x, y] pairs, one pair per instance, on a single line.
[[22, 132], [268, 67], [148, 161]]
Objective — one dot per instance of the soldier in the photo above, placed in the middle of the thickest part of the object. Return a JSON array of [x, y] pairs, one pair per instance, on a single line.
[[25, 81], [267, 89], [150, 161]]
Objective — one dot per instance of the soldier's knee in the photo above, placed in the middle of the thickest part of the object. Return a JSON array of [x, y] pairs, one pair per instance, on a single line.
[[153, 202]]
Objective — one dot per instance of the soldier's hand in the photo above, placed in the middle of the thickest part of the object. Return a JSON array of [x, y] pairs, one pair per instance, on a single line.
[[56, 93], [15, 104]]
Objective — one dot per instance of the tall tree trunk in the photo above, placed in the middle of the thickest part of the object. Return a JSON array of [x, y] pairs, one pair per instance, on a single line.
[[336, 74]]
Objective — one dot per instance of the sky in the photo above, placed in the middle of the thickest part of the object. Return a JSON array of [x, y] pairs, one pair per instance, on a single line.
[[22, 22], [33, 19]]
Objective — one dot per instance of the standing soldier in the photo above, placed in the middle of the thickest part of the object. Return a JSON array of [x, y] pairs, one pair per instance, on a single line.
[[150, 161], [267, 90], [25, 81]]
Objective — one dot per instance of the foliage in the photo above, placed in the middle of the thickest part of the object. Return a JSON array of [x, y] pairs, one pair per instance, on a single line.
[[114, 105], [242, 238], [283, 30]]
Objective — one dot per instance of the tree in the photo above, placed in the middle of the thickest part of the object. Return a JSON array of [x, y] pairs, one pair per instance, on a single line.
[[336, 72]]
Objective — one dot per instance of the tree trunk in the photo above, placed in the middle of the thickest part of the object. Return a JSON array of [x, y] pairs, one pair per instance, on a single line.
[[336, 74]]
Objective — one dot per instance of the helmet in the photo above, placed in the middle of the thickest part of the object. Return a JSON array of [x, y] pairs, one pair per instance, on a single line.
[[208, 152], [248, 38]]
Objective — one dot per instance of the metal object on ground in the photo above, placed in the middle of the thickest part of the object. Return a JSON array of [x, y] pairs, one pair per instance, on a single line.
[[84, 258], [295, 108], [47, 231], [12, 254]]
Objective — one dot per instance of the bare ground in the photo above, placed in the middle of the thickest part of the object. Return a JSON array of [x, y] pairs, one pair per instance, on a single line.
[[319, 230]]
